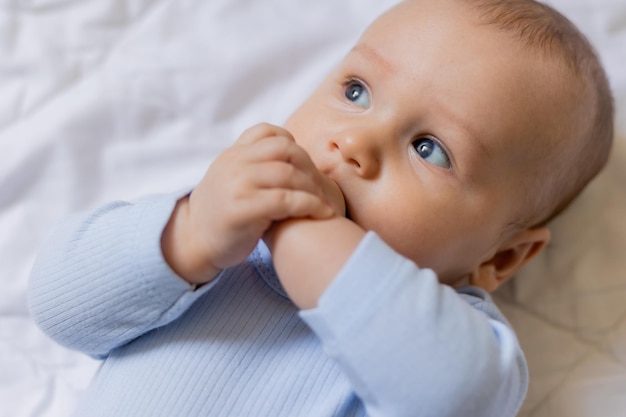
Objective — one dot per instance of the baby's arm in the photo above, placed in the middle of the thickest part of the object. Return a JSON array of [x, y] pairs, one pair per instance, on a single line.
[[309, 254], [409, 345], [100, 279], [106, 278]]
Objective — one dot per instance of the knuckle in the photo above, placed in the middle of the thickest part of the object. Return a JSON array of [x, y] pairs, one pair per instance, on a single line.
[[282, 148], [285, 202], [264, 128], [284, 142], [257, 131], [288, 171], [284, 198]]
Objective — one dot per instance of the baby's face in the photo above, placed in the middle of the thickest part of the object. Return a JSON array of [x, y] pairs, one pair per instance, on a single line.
[[425, 127]]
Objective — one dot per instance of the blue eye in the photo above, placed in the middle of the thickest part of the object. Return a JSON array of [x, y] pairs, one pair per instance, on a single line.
[[432, 152], [358, 94]]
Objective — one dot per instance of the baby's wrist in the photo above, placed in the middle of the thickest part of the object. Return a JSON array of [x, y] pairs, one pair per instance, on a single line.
[[179, 251]]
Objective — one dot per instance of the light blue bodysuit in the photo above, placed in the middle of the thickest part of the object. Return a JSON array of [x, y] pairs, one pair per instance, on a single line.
[[386, 339]]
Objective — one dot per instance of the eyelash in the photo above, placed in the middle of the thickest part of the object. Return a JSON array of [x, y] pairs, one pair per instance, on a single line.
[[350, 81], [353, 80], [437, 142]]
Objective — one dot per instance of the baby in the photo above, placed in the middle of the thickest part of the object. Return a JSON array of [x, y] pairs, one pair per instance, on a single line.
[[340, 265]]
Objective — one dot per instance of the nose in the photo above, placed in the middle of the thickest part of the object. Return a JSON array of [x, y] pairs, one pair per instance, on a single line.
[[360, 149]]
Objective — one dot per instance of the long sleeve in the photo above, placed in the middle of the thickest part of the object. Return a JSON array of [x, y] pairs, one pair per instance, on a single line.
[[100, 279], [412, 347], [405, 345]]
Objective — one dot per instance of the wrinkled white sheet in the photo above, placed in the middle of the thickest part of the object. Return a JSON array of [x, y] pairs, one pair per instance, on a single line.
[[109, 99]]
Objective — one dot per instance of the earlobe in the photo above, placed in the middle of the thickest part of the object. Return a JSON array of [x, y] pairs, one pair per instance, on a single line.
[[510, 257]]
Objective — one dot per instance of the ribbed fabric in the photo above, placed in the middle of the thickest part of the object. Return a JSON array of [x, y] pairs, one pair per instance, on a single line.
[[385, 340]]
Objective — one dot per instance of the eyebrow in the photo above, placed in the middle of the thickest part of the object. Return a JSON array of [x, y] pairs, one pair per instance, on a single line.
[[467, 130], [373, 55]]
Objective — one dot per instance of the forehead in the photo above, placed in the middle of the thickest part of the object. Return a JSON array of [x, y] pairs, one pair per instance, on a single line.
[[474, 74], [416, 35]]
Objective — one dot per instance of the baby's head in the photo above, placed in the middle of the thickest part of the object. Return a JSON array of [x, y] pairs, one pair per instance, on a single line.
[[581, 123], [458, 128]]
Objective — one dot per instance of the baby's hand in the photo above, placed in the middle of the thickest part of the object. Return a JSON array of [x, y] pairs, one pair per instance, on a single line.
[[264, 177]]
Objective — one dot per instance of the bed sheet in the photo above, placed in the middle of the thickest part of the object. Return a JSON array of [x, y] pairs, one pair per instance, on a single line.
[[113, 99]]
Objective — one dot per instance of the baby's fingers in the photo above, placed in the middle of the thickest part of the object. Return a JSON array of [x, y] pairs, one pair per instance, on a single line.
[[281, 204], [262, 131], [278, 174], [265, 142]]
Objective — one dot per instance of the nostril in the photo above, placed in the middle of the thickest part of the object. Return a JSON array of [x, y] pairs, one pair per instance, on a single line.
[[334, 146]]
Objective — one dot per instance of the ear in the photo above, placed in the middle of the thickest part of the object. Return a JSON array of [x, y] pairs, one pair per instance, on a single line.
[[509, 258]]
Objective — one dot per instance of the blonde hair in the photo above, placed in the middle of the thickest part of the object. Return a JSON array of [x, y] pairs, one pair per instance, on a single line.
[[542, 28]]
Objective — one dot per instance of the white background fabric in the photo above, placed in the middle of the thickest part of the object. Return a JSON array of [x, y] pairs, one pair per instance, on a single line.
[[113, 99]]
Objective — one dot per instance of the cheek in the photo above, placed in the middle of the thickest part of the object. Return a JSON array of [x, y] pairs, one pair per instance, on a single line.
[[310, 131], [314, 117], [414, 227], [420, 237], [304, 126], [439, 232]]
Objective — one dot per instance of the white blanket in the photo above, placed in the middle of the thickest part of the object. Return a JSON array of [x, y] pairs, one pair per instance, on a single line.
[[113, 99]]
